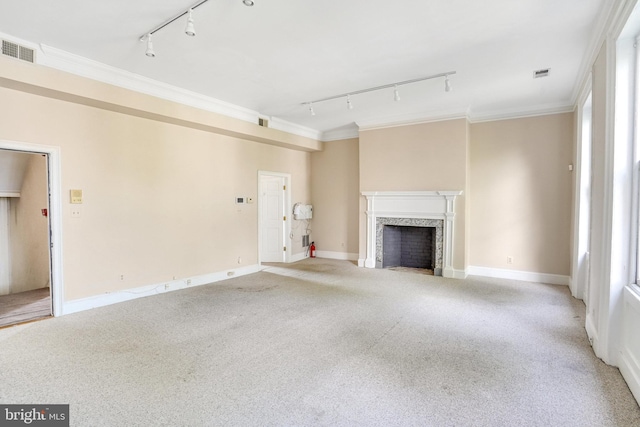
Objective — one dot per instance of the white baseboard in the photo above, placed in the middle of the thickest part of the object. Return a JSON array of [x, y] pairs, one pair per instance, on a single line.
[[629, 359], [459, 274], [630, 370], [337, 255], [102, 300], [527, 276], [299, 256]]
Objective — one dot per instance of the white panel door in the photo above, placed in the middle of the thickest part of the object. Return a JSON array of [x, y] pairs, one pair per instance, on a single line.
[[272, 219]]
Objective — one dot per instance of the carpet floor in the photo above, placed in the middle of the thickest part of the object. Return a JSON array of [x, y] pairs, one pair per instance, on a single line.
[[323, 342]]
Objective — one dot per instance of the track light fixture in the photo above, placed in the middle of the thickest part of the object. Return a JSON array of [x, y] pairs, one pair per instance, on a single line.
[[190, 29], [396, 93], [149, 52], [311, 111]]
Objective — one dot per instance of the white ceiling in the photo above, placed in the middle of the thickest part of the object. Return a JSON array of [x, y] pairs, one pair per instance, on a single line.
[[278, 54]]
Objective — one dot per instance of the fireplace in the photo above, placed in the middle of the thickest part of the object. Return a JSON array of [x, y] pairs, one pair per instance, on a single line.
[[401, 242], [409, 211]]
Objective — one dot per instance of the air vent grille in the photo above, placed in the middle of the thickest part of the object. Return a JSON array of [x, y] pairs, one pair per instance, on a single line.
[[263, 122], [541, 73], [19, 52]]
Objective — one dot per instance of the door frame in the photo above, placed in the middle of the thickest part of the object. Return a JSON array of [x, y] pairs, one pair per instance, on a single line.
[[287, 213], [55, 215], [581, 206]]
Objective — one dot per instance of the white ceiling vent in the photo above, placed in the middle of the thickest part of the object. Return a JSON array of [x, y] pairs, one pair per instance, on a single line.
[[263, 122], [19, 52], [541, 73]]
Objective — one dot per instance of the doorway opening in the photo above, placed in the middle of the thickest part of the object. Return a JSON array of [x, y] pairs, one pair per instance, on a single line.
[[30, 263]]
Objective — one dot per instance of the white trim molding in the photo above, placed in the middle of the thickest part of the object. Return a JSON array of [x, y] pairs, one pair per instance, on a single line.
[[630, 345], [299, 256], [344, 256], [526, 276], [414, 205], [109, 298]]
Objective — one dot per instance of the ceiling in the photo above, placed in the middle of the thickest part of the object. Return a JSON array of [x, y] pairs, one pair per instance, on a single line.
[[275, 56]]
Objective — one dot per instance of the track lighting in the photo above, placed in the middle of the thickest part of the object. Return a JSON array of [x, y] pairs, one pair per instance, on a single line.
[[190, 30], [396, 93], [149, 52], [311, 111]]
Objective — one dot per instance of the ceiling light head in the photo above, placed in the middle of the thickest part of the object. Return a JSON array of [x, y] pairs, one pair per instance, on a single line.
[[311, 110], [396, 94], [447, 85], [541, 73], [190, 30], [349, 104], [149, 52], [248, 2]]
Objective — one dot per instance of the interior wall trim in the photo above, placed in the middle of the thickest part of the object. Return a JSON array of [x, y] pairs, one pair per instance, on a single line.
[[110, 298], [344, 256], [94, 70], [527, 276], [630, 348], [84, 67]]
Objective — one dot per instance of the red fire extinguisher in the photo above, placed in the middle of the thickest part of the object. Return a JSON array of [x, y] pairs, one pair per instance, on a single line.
[[312, 250]]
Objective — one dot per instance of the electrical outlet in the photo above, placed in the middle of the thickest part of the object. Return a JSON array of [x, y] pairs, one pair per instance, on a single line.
[[122, 277], [166, 286], [509, 260], [188, 281]]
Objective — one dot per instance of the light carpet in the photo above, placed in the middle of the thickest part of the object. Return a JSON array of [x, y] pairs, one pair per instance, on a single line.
[[323, 342]]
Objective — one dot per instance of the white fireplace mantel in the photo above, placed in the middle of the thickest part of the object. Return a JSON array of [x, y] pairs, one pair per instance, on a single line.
[[412, 204]]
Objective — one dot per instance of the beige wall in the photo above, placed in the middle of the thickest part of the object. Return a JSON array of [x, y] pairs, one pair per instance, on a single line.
[[158, 197], [422, 157], [29, 230], [521, 193], [334, 188]]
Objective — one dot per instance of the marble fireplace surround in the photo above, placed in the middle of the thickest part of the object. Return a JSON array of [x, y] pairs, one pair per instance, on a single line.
[[416, 206]]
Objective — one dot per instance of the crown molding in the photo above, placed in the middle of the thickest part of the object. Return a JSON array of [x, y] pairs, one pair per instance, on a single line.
[[78, 65], [285, 126], [412, 119], [519, 113], [74, 64], [605, 20], [341, 133], [84, 67]]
